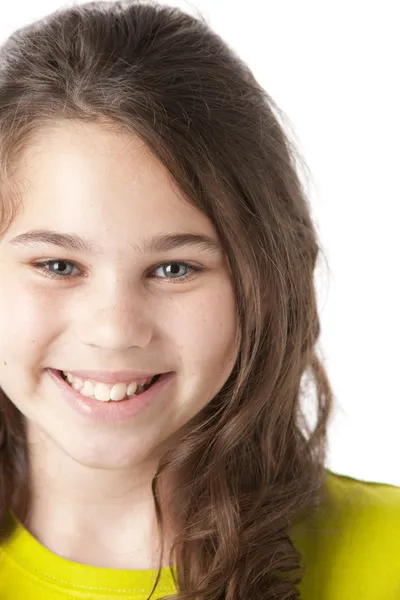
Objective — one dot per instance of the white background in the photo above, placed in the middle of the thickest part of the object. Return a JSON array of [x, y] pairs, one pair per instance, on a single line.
[[333, 67]]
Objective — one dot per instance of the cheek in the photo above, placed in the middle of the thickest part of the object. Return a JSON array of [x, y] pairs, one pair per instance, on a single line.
[[204, 332], [27, 319]]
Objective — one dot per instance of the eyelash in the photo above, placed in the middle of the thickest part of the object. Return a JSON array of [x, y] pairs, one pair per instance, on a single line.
[[42, 267]]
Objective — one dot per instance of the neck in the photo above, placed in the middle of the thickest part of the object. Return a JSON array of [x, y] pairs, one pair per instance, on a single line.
[[94, 516]]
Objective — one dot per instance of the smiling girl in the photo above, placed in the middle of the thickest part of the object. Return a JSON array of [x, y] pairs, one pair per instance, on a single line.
[[157, 319]]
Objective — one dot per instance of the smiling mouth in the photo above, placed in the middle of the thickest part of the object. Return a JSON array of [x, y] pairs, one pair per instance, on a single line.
[[96, 390]]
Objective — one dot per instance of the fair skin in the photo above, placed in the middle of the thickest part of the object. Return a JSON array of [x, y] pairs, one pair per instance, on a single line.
[[92, 500]]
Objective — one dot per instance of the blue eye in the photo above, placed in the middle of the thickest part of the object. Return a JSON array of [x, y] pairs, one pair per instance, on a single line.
[[174, 270], [61, 269], [58, 265]]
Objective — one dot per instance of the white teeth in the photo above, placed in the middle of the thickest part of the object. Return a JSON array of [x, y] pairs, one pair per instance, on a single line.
[[132, 388], [118, 391], [102, 391], [87, 389], [77, 384]]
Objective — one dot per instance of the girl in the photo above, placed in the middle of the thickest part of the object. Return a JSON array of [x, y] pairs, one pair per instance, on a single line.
[[153, 443]]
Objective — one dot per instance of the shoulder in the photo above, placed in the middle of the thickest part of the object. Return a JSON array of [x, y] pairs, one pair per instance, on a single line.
[[368, 503], [350, 545]]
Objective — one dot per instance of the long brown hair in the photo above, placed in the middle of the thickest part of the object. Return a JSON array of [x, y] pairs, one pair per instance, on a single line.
[[249, 464]]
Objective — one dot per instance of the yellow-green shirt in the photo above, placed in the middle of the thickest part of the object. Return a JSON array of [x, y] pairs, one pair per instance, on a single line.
[[350, 548]]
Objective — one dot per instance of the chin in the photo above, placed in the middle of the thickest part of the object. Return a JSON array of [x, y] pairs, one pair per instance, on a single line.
[[106, 451]]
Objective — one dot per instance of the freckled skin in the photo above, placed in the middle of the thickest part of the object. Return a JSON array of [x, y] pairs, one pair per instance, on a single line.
[[88, 181]]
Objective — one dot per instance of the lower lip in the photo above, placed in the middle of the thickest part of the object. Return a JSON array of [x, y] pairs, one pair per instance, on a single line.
[[112, 411]]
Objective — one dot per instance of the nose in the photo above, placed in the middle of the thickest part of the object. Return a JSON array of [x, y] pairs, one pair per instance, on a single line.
[[114, 319]]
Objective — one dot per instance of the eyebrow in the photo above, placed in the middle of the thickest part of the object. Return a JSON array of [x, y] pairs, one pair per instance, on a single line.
[[75, 243]]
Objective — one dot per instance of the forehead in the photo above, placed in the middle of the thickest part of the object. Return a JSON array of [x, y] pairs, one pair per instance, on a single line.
[[96, 182], [96, 155]]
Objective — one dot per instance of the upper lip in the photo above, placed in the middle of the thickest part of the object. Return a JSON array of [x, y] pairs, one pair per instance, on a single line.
[[114, 376]]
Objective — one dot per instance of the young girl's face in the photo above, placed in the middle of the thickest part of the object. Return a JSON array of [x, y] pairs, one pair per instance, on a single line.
[[124, 307]]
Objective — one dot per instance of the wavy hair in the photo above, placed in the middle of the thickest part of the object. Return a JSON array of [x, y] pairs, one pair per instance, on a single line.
[[248, 465]]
